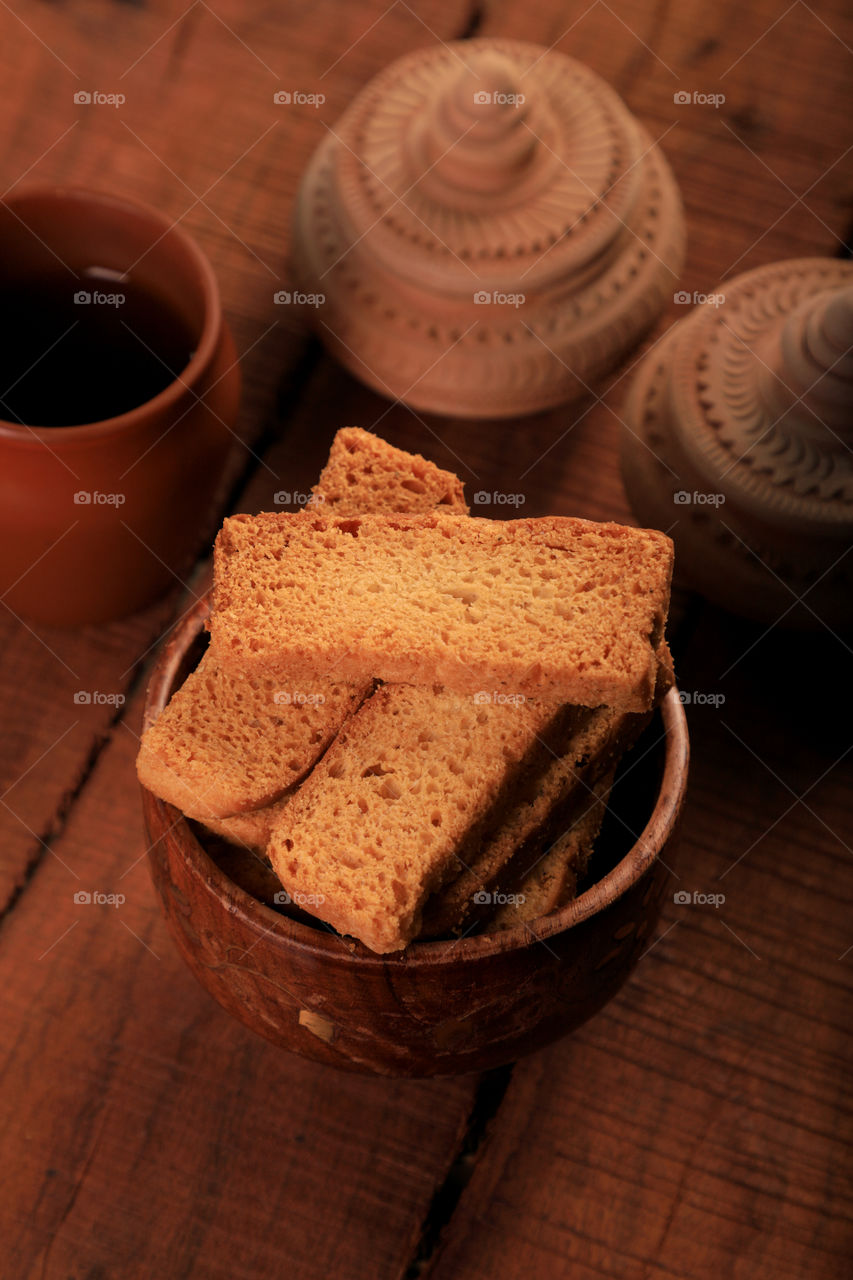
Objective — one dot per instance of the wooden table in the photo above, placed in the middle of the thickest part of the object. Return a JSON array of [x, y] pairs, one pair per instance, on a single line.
[[698, 1127]]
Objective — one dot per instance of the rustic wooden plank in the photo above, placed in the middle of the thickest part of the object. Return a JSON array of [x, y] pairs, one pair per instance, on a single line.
[[132, 1099], [710, 1142], [50, 734]]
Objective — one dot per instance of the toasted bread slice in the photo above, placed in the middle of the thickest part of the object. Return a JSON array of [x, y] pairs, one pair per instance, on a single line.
[[224, 745], [594, 742], [404, 791], [516, 843], [230, 741], [553, 881], [555, 608], [365, 473], [251, 829]]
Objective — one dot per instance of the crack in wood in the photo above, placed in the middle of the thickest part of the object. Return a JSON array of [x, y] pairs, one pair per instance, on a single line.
[[491, 1091], [58, 821]]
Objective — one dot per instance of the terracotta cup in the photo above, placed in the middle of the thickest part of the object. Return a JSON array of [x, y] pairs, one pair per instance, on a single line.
[[96, 520]]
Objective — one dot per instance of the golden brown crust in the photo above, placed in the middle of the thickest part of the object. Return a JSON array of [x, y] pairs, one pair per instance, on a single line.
[[557, 607], [224, 745], [519, 838], [251, 830], [552, 882], [403, 792], [231, 741], [365, 473]]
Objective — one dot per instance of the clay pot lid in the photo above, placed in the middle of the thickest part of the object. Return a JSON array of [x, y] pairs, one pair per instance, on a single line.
[[761, 393], [486, 166], [737, 438]]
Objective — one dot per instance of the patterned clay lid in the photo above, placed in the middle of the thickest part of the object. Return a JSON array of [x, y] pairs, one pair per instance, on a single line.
[[761, 389], [490, 227], [738, 441]]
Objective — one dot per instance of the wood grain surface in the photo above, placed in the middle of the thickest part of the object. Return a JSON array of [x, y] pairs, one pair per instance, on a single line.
[[700, 1126]]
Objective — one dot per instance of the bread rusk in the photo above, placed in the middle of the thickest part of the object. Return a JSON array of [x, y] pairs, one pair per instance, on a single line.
[[511, 848], [596, 742], [553, 881], [404, 791], [366, 473], [556, 608], [229, 741], [250, 829], [224, 745]]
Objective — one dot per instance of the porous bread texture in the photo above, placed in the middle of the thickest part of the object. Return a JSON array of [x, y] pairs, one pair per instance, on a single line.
[[516, 843], [214, 751], [553, 881], [402, 793], [555, 608], [224, 745], [252, 829], [365, 473]]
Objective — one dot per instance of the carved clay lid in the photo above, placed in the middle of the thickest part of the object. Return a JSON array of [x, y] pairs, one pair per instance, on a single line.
[[762, 393], [739, 441], [490, 227]]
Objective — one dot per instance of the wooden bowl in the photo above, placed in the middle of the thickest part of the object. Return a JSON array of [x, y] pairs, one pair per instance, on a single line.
[[437, 1008]]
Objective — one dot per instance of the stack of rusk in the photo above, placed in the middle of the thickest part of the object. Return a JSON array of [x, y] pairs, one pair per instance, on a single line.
[[415, 715]]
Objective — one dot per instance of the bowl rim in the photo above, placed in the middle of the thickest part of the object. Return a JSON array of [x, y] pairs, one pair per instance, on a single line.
[[324, 941]]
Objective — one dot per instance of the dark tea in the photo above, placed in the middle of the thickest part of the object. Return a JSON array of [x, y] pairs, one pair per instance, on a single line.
[[83, 349]]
